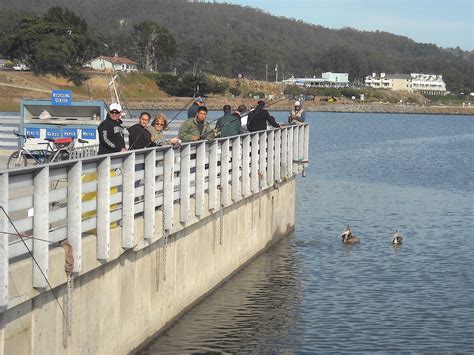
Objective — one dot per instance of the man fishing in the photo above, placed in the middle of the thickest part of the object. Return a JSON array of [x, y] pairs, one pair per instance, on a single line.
[[259, 117], [298, 115], [196, 128], [229, 124]]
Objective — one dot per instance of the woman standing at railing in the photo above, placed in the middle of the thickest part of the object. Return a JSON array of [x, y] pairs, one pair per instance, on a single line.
[[156, 131]]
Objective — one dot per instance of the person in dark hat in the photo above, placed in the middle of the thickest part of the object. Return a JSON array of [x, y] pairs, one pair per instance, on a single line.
[[192, 111], [259, 117]]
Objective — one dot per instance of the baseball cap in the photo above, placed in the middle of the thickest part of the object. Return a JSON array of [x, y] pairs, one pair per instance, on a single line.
[[115, 106], [199, 99], [297, 103]]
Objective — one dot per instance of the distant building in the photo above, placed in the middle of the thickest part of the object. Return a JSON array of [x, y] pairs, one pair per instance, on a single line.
[[327, 79], [430, 84], [424, 83], [114, 63]]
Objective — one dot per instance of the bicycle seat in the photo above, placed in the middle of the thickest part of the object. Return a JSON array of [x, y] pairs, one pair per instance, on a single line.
[[61, 140], [82, 140]]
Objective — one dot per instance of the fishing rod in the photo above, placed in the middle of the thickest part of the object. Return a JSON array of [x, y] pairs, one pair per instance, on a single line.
[[247, 112], [237, 118]]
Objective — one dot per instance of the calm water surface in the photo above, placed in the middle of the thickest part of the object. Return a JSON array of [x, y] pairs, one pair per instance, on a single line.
[[310, 293]]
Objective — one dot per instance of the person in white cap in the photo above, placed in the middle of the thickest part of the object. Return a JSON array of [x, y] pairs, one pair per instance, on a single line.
[[298, 115], [111, 138]]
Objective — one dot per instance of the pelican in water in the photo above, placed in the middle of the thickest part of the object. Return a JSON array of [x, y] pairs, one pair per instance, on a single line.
[[397, 238], [348, 237]]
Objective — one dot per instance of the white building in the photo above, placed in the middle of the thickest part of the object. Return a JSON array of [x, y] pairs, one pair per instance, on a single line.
[[424, 83], [430, 84], [327, 79], [114, 63]]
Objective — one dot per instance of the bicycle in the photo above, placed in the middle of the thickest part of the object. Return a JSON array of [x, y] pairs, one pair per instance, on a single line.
[[57, 149]]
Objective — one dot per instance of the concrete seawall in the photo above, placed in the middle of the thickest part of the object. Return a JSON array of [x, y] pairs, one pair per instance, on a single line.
[[120, 304]]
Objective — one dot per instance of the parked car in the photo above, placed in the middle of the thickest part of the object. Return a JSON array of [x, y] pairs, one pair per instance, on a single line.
[[21, 67]]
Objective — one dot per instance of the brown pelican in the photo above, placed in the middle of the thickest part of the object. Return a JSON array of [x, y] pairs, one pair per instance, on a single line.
[[397, 238], [348, 237]]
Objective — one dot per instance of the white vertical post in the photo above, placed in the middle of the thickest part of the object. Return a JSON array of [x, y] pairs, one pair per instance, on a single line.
[[284, 153], [74, 213], [290, 152], [277, 176], [300, 146], [306, 145], [200, 176], [128, 201], [270, 157], [41, 227], [149, 198], [168, 189], [254, 164], [246, 165], [296, 167], [4, 226], [103, 209], [213, 175], [184, 175], [236, 195], [224, 172], [263, 160]]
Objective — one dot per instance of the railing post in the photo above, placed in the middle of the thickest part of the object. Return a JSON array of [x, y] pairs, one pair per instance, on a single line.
[[149, 198], [254, 163], [270, 157], [296, 167], [224, 172], [300, 146], [128, 201], [200, 176], [284, 153], [306, 145], [168, 189], [74, 213], [4, 226], [184, 175], [103, 209], [236, 195], [290, 152], [213, 175], [263, 160], [246, 165], [41, 227], [277, 174]]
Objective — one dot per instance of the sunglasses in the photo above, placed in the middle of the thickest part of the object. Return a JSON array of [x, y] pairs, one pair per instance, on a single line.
[[159, 124], [114, 112]]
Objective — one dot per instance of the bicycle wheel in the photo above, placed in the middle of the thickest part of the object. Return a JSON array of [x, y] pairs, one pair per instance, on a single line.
[[17, 160]]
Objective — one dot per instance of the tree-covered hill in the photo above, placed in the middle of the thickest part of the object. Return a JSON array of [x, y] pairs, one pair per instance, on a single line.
[[228, 39]]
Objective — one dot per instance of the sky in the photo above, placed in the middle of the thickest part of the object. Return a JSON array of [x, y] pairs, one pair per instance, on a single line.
[[446, 23]]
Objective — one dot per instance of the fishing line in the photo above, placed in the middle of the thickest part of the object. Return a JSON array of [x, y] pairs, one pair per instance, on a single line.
[[34, 259]]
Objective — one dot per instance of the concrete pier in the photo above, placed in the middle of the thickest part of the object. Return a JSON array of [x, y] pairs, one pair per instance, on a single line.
[[140, 258]]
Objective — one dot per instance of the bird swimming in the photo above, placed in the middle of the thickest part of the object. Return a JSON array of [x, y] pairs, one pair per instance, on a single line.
[[397, 238], [348, 237]]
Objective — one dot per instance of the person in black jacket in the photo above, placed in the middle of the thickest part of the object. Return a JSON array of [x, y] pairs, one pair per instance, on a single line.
[[139, 137], [259, 117], [111, 132]]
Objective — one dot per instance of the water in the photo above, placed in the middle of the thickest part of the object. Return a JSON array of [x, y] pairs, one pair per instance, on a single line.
[[310, 293]]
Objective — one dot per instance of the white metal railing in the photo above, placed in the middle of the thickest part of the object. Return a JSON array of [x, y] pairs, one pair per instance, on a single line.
[[70, 199]]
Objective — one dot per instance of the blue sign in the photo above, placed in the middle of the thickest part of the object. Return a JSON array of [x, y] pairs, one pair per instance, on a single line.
[[89, 133], [33, 132], [52, 133], [61, 97], [70, 132]]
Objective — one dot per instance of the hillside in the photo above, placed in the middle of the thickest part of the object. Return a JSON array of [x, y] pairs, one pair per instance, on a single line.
[[226, 39], [141, 92]]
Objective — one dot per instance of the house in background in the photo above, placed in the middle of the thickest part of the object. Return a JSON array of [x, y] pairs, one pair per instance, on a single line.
[[430, 84], [114, 63]]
